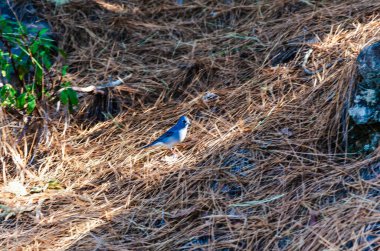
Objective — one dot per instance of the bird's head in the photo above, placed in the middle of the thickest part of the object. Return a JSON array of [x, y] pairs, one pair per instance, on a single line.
[[183, 122]]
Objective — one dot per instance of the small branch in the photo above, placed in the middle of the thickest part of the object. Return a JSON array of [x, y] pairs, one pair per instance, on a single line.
[[98, 89]]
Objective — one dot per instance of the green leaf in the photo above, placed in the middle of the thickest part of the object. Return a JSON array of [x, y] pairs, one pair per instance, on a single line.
[[23, 68], [7, 95], [257, 202], [31, 103], [8, 91], [66, 84], [29, 88], [46, 60], [48, 41], [73, 97], [64, 70], [47, 94], [9, 71], [38, 76], [31, 57], [64, 97], [21, 28], [43, 31], [34, 47], [21, 100], [2, 92], [68, 96]]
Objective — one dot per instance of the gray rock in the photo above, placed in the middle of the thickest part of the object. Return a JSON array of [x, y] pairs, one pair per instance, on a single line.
[[369, 61], [373, 142], [364, 133], [366, 109]]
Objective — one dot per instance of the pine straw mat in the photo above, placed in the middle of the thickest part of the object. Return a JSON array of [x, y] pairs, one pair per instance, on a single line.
[[264, 166]]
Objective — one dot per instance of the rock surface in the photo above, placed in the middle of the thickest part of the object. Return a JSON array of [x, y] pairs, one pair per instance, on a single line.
[[364, 134], [369, 61]]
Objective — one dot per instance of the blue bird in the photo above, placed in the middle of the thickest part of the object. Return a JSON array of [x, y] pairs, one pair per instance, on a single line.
[[174, 135]]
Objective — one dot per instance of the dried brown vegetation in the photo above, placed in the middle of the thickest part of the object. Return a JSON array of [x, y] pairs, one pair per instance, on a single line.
[[286, 125]]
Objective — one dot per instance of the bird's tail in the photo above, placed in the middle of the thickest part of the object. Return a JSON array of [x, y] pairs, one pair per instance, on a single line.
[[149, 145], [145, 146]]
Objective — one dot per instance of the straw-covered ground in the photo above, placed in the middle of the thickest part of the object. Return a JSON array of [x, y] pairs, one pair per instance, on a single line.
[[272, 139]]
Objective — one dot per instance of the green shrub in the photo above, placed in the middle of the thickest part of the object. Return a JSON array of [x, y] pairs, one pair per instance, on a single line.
[[26, 58]]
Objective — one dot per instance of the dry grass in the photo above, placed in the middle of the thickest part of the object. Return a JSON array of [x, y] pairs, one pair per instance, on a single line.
[[284, 124]]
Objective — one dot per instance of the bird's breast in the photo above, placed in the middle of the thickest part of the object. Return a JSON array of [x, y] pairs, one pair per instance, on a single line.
[[182, 134]]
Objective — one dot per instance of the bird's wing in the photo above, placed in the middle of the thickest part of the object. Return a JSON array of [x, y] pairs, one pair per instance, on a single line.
[[161, 138], [165, 135]]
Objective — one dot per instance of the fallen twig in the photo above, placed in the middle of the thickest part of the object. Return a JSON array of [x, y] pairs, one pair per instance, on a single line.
[[98, 88]]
